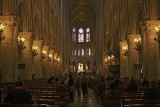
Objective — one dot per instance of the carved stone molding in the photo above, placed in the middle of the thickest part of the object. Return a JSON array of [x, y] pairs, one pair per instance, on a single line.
[[26, 35], [150, 25], [9, 21]]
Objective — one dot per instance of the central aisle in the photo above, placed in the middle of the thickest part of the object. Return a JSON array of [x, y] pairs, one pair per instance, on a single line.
[[89, 101]]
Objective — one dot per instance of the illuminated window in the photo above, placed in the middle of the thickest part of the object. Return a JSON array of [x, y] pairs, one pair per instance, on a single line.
[[75, 52], [87, 35], [74, 35], [79, 52], [82, 52], [81, 35], [89, 52]]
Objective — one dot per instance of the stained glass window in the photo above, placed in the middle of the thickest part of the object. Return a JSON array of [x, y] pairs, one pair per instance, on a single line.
[[74, 35], [87, 35], [81, 35]]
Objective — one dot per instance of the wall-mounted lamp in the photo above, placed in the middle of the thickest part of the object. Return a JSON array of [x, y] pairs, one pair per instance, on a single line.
[[44, 54], [138, 44], [125, 51], [1, 31], [58, 59], [34, 51], [50, 57], [55, 57], [21, 44], [157, 39], [106, 59]]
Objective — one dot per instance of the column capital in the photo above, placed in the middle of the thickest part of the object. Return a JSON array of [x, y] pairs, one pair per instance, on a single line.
[[9, 21], [26, 35], [133, 36], [150, 25], [46, 47], [123, 43], [38, 43], [51, 51]]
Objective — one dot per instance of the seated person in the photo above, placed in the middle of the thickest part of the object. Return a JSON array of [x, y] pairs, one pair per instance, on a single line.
[[132, 87], [61, 87], [152, 93], [18, 96], [112, 90], [145, 82], [51, 79], [120, 88]]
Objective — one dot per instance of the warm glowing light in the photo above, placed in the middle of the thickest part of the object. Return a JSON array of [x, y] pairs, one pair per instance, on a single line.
[[1, 26], [157, 28], [44, 52], [58, 59], [137, 40], [21, 39], [125, 48], [50, 55], [109, 57], [35, 47]]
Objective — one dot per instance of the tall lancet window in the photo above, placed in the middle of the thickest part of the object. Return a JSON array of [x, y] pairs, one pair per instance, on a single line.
[[74, 35], [81, 35], [87, 35]]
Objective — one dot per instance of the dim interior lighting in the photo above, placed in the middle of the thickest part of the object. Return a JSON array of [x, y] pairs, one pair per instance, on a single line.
[[34, 50], [157, 38], [125, 51], [138, 44], [44, 54], [50, 57], [21, 43], [2, 37]]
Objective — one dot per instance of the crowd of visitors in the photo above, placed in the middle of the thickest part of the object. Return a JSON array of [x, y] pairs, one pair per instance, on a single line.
[[78, 83]]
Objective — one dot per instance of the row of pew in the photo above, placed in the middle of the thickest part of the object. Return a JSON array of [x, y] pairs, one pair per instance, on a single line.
[[43, 95]]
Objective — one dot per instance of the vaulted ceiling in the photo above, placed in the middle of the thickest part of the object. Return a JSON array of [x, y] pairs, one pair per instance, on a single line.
[[82, 12]]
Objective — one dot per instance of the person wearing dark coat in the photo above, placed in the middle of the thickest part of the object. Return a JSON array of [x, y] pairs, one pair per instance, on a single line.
[[18, 96]]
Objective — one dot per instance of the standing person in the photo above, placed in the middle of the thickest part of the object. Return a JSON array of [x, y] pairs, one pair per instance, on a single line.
[[84, 84], [71, 87], [77, 84], [33, 76], [18, 96]]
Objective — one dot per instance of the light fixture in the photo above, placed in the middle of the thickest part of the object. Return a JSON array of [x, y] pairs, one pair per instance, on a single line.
[[34, 51], [50, 57], [125, 51], [1, 31], [44, 54], [157, 39], [21, 44], [58, 59], [55, 57], [138, 44], [106, 59]]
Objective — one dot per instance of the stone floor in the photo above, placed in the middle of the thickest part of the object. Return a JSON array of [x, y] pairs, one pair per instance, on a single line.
[[88, 101]]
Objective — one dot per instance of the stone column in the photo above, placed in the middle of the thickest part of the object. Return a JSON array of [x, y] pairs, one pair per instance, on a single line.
[[123, 61], [27, 55], [46, 62], [152, 51], [55, 66], [38, 63], [133, 55], [144, 51], [51, 66], [15, 51], [7, 47]]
